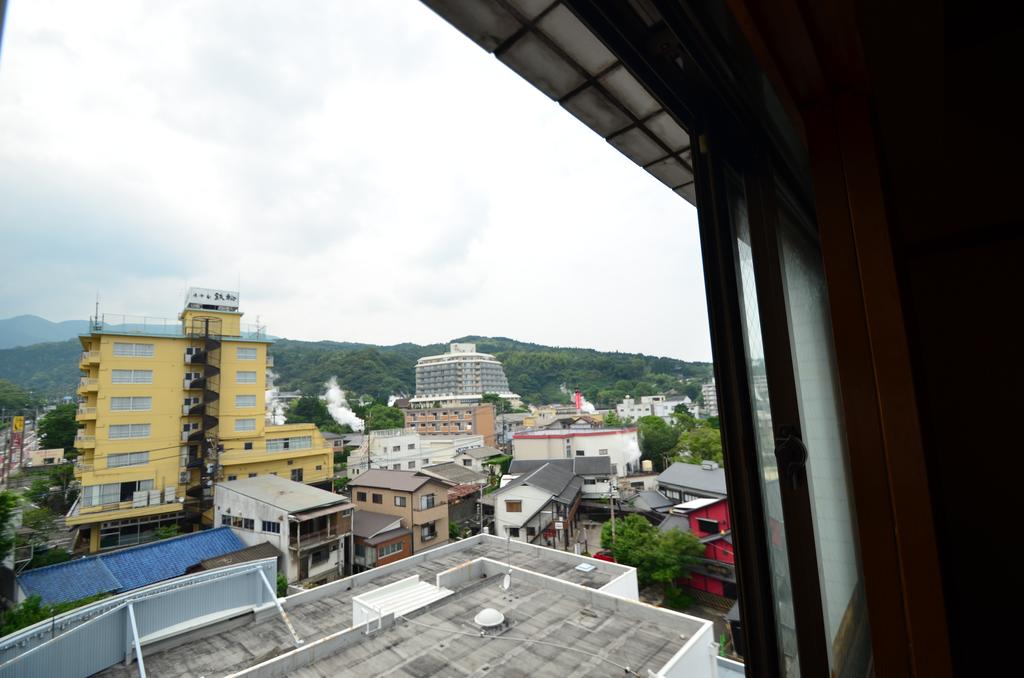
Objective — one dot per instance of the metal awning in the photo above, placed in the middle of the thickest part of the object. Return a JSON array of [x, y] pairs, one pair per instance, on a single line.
[[545, 43], [316, 513]]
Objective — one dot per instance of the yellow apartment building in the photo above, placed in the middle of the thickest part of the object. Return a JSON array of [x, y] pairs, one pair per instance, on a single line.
[[171, 407]]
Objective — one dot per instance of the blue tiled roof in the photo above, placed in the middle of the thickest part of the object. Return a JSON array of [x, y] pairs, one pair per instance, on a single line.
[[128, 569], [69, 581]]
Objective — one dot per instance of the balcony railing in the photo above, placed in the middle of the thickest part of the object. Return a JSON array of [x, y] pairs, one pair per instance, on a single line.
[[84, 411], [88, 383], [89, 357], [82, 440], [310, 539], [270, 361]]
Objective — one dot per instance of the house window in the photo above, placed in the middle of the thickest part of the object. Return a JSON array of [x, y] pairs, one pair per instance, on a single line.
[[118, 431], [513, 506], [245, 424], [412, 464], [396, 448], [389, 549], [319, 557], [707, 525], [428, 531], [296, 443], [467, 462], [247, 446], [531, 531], [378, 498], [128, 459], [401, 501], [513, 532], [297, 475], [589, 481], [243, 353], [426, 501], [412, 446], [245, 401], [603, 453], [113, 493], [253, 475], [245, 377], [579, 453], [232, 477], [225, 521], [272, 526], [125, 350], [319, 467], [360, 496], [131, 403], [396, 467], [131, 376]]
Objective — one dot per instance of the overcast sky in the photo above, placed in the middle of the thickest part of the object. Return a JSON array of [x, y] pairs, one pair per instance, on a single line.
[[364, 170]]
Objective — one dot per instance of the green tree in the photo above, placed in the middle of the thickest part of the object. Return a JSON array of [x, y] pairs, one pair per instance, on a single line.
[[656, 439], [58, 428], [310, 409], [684, 421], [701, 444], [13, 397], [381, 416], [8, 502], [31, 610], [612, 419], [501, 406], [53, 490], [659, 557]]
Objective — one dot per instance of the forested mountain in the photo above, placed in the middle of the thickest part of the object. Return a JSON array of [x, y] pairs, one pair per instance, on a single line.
[[534, 371], [25, 330]]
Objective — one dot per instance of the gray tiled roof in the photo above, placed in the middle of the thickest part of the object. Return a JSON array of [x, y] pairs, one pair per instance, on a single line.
[[285, 494], [653, 500], [483, 452], [557, 479], [681, 523], [365, 524], [456, 473], [402, 481], [695, 477]]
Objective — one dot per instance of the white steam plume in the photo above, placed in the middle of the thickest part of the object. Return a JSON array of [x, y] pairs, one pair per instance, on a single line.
[[633, 452], [338, 406], [275, 407], [586, 406], [392, 400]]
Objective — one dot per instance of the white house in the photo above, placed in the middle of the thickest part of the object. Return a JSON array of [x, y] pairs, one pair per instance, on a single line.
[[620, 445], [539, 506], [653, 406], [310, 526], [596, 473], [399, 449]]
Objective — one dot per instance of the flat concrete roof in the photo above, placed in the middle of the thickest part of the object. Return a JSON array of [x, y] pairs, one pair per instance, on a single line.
[[238, 644]]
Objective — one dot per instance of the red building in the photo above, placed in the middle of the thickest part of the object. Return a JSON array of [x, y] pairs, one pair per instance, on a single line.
[[708, 520]]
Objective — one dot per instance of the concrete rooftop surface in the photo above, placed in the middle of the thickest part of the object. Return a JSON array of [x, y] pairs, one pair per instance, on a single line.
[[232, 646]]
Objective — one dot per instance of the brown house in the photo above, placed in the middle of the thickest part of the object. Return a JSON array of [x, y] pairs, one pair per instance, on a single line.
[[419, 500], [452, 419], [380, 539]]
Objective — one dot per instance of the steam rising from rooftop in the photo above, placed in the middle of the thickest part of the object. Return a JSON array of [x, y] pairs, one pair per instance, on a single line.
[[338, 407]]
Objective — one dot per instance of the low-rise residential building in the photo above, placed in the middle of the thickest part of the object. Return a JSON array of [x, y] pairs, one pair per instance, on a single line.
[[49, 457], [652, 406], [620, 445], [510, 424], [419, 500], [540, 506], [683, 482], [596, 473], [452, 419], [476, 459], [406, 450], [708, 520], [124, 570], [380, 540], [311, 527]]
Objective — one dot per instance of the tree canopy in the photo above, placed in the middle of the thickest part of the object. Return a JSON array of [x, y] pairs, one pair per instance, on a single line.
[[380, 416], [309, 409], [656, 439], [58, 427], [701, 443], [659, 557]]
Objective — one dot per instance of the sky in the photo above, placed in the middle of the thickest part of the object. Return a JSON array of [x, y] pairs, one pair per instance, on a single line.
[[359, 171]]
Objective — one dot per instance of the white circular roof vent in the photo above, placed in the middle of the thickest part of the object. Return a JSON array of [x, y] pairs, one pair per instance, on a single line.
[[489, 618]]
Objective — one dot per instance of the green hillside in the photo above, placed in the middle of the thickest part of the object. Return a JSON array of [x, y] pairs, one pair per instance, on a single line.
[[534, 371]]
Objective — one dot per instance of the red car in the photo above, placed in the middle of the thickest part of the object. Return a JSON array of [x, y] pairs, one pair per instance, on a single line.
[[605, 555]]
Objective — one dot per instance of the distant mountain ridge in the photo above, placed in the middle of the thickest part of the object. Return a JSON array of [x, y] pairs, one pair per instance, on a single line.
[[25, 330], [540, 374]]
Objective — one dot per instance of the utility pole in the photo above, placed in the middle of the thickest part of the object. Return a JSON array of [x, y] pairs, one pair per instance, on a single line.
[[611, 502]]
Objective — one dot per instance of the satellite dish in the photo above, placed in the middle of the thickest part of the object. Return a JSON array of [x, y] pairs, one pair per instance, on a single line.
[[506, 582]]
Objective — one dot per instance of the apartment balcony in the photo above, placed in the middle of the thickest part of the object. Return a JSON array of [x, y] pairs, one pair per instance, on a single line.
[[428, 515], [270, 361], [193, 410], [85, 413], [86, 442], [88, 385], [193, 384], [191, 436], [89, 358]]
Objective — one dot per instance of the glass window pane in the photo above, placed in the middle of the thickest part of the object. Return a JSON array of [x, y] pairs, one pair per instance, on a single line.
[[765, 437], [822, 429]]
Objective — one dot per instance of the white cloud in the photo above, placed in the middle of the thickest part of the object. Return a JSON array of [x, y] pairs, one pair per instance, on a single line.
[[365, 170]]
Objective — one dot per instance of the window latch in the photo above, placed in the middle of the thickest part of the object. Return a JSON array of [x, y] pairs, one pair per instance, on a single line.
[[790, 454]]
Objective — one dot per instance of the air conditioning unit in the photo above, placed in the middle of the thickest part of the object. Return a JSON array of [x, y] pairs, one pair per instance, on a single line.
[[140, 498]]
